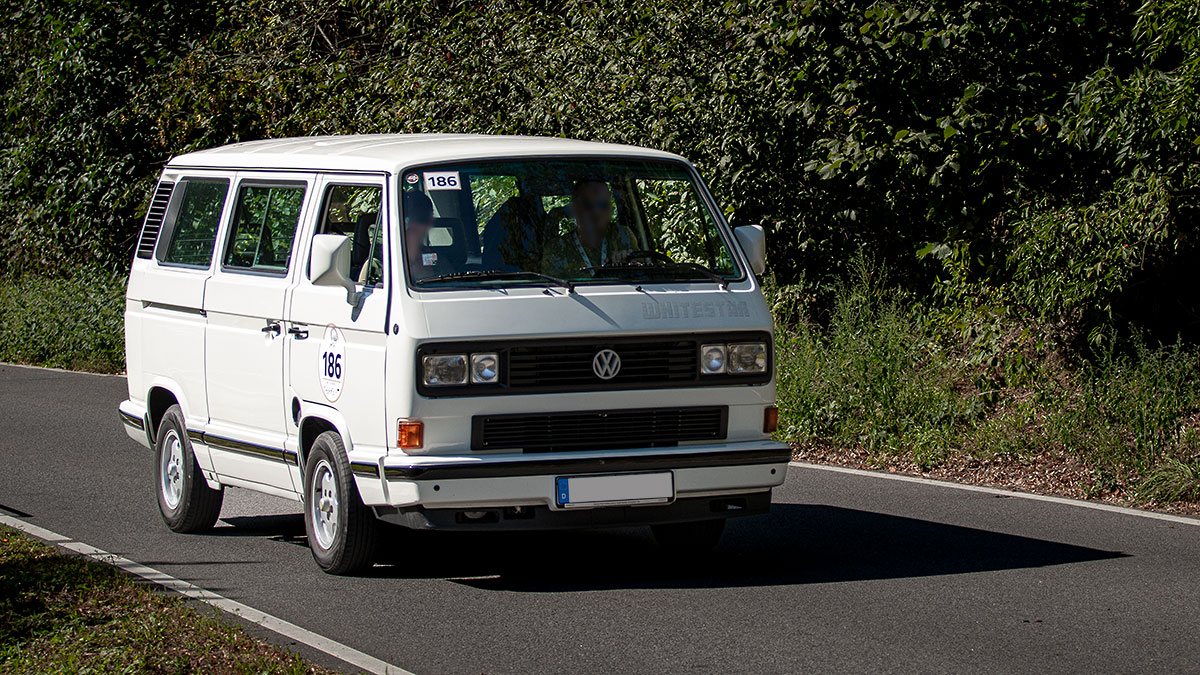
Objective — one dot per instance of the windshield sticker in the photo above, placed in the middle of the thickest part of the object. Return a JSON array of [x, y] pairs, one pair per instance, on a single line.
[[429, 259], [442, 180], [332, 367], [412, 179]]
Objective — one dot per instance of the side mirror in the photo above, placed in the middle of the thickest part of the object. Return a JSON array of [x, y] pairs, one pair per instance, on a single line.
[[330, 264], [753, 241]]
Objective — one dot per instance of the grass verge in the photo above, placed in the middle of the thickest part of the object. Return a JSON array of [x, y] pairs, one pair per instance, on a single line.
[[61, 613], [970, 394]]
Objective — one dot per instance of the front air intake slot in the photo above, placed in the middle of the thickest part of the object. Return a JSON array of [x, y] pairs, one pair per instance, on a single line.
[[599, 429]]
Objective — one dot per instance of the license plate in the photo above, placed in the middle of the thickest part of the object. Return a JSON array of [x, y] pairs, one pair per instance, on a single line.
[[615, 490]]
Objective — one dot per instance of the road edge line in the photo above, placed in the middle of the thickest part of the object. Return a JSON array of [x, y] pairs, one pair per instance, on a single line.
[[1125, 510], [61, 370], [272, 623]]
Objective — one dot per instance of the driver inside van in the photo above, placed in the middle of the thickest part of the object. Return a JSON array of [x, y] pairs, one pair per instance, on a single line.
[[595, 240], [423, 263]]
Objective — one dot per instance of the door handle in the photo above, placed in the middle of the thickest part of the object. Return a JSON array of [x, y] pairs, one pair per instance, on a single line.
[[298, 332], [271, 329]]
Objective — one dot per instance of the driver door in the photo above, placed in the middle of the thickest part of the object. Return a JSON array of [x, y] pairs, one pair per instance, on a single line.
[[335, 353]]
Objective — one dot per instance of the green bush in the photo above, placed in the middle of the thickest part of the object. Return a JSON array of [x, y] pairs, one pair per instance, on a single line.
[[885, 376], [873, 378], [1020, 132], [75, 323]]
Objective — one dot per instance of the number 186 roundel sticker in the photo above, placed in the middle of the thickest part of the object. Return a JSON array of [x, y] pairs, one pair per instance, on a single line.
[[332, 363]]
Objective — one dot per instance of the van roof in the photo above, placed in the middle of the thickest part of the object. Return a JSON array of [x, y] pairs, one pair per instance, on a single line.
[[393, 152]]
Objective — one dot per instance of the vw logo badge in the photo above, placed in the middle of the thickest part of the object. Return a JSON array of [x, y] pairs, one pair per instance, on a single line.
[[606, 364]]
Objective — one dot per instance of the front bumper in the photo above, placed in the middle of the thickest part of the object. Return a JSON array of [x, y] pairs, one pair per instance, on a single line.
[[439, 486], [136, 422], [545, 518]]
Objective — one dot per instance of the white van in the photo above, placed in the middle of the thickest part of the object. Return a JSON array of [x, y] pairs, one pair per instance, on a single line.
[[451, 331]]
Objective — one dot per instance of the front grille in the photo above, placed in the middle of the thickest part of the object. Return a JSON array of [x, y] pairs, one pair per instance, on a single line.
[[154, 220], [555, 365], [570, 365], [599, 429]]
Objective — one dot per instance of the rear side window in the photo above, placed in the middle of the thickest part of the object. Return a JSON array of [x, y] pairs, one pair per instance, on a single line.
[[192, 222], [264, 228]]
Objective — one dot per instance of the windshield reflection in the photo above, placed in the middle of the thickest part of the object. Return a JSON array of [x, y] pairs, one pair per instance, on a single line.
[[559, 222]]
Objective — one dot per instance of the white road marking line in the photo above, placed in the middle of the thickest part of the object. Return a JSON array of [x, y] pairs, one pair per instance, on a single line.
[[60, 370], [287, 629], [1007, 493]]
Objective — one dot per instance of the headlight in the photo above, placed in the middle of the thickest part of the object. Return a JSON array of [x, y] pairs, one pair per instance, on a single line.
[[485, 368], [712, 359], [445, 369], [746, 359]]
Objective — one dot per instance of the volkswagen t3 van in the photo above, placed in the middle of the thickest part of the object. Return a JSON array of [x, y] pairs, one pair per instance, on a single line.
[[445, 331]]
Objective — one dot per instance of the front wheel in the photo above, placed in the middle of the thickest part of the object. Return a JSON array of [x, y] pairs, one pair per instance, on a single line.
[[342, 532], [186, 502], [700, 536]]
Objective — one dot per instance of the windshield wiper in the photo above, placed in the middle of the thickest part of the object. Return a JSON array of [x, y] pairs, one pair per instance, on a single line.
[[482, 275], [694, 267]]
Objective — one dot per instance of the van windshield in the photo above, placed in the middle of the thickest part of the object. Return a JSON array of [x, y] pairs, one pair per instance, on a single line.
[[559, 221]]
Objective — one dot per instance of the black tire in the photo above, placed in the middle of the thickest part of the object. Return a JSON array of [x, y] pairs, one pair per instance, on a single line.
[[348, 544], [196, 506], [696, 537]]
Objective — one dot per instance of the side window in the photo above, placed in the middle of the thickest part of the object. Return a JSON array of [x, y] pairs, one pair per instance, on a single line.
[[355, 211], [264, 227], [193, 226]]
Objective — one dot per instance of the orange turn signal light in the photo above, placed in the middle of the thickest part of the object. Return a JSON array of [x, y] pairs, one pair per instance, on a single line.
[[411, 435], [770, 419]]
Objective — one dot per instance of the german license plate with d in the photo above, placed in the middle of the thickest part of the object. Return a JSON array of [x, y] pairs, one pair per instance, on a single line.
[[615, 489]]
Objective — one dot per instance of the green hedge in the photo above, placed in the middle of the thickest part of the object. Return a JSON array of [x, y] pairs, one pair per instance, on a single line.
[[74, 323], [963, 144]]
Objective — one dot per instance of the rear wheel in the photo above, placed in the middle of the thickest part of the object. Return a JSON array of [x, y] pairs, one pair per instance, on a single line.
[[700, 536], [186, 502], [342, 532]]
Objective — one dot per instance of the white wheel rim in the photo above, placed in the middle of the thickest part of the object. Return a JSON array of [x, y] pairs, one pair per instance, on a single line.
[[323, 504], [171, 469]]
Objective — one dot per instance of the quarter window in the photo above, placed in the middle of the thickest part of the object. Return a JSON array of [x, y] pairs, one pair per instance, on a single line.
[[264, 227], [194, 229]]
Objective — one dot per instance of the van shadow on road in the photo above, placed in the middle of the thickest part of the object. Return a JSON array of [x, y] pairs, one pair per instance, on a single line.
[[794, 544]]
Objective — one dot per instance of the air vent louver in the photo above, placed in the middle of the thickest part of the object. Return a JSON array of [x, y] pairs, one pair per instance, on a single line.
[[154, 220]]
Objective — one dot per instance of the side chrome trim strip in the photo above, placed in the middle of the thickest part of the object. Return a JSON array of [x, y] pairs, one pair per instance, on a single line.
[[364, 469], [243, 448], [146, 304], [132, 421]]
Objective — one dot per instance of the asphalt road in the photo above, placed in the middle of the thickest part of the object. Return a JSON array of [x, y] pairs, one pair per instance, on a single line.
[[847, 574]]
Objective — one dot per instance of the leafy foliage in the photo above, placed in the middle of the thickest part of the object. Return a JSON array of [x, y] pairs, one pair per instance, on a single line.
[[1032, 136], [76, 323], [882, 379]]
